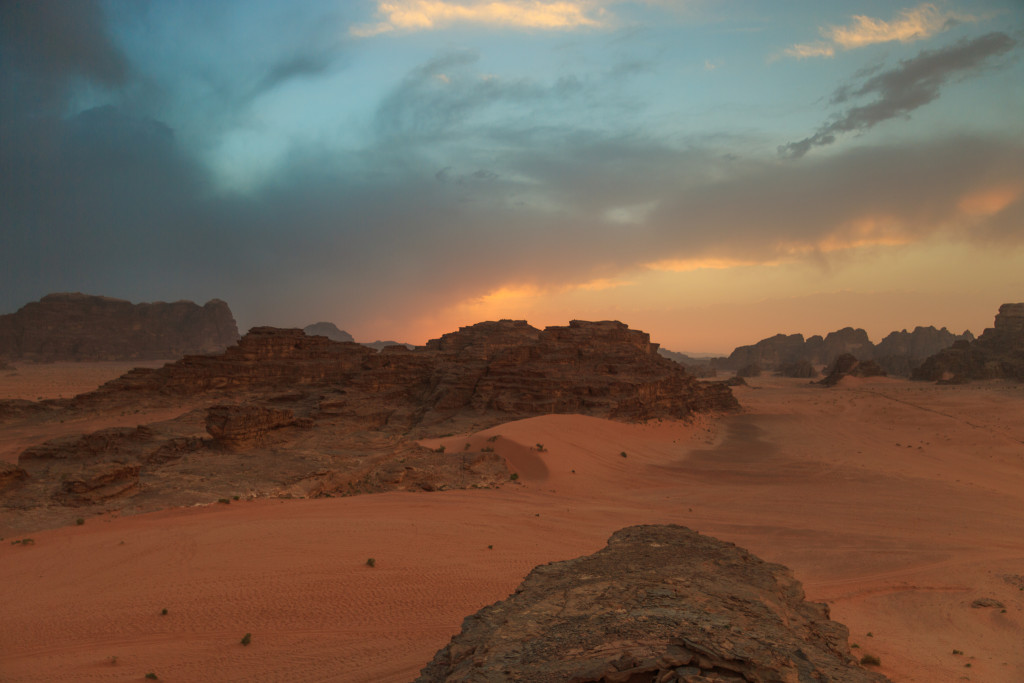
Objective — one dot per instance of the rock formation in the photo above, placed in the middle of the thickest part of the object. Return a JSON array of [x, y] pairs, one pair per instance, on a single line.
[[660, 604], [284, 411], [80, 327], [791, 355], [329, 330], [848, 365], [997, 353]]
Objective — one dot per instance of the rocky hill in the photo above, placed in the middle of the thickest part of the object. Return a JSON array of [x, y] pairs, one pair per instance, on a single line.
[[997, 353], [329, 330], [284, 411], [898, 353], [658, 603], [81, 327]]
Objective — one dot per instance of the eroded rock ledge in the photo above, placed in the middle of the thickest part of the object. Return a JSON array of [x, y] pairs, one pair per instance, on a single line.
[[659, 603]]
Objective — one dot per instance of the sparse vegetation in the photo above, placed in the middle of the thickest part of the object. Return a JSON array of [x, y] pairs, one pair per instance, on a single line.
[[854, 645], [151, 676], [112, 660], [957, 652], [486, 449], [490, 547], [540, 448], [163, 612], [439, 449], [224, 501], [234, 497], [370, 562], [246, 639], [514, 476], [466, 447], [623, 454], [870, 660], [24, 541], [494, 438], [870, 634], [80, 521]]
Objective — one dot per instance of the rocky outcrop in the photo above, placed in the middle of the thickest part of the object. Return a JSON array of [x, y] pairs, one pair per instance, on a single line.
[[505, 368], [901, 352], [282, 411], [329, 330], [100, 483], [898, 353], [997, 354], [658, 603], [847, 365], [80, 327], [239, 426]]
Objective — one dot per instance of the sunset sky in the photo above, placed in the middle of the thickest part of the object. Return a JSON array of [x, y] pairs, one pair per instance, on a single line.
[[712, 172]]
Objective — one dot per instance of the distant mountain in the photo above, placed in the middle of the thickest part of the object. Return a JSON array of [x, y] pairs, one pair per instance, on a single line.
[[383, 344], [329, 330], [898, 354], [997, 353], [698, 367], [83, 327]]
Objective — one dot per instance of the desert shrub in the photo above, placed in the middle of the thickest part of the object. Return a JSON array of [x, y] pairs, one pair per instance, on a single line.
[[246, 639], [958, 652], [540, 448], [370, 562], [439, 449], [234, 497], [163, 612], [623, 454], [514, 476], [494, 438], [486, 449], [151, 676], [870, 660], [466, 447], [80, 521], [224, 501]]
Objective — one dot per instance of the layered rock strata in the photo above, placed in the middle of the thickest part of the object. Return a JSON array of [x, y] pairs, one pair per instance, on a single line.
[[661, 604], [282, 412]]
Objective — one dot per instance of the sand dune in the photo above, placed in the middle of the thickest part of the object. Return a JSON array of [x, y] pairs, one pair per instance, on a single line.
[[897, 503]]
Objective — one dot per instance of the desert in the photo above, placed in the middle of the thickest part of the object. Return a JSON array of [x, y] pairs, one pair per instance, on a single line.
[[531, 341], [896, 503]]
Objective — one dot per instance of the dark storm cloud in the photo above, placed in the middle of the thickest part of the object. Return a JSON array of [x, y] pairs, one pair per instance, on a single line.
[[913, 84], [45, 45]]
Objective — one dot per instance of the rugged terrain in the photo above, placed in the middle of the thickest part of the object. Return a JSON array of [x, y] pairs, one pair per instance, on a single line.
[[80, 327], [793, 356], [658, 604], [899, 504], [283, 413], [997, 353]]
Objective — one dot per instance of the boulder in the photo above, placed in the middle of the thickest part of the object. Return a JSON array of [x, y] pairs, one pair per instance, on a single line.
[[658, 603]]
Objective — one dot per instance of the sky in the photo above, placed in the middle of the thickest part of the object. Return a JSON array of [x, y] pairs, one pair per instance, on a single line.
[[712, 172]]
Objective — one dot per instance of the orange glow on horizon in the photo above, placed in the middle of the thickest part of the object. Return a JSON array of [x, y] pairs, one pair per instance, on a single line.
[[990, 201]]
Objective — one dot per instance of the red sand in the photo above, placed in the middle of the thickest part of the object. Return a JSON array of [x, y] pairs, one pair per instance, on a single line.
[[897, 503]]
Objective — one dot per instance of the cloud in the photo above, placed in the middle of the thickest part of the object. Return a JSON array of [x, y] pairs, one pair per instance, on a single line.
[[425, 15], [46, 44], [899, 91], [918, 23]]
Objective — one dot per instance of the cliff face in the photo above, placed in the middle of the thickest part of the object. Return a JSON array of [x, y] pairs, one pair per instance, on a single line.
[[658, 603], [897, 354], [80, 327], [997, 354]]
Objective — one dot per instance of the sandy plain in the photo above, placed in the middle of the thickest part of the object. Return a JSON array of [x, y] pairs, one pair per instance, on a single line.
[[897, 503]]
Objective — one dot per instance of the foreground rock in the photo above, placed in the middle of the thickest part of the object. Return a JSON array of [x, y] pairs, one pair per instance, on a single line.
[[80, 327], [658, 604], [997, 354], [284, 413]]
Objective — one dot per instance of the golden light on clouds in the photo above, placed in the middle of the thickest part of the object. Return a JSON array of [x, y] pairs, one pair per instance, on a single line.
[[687, 265], [424, 15], [913, 24], [990, 201]]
